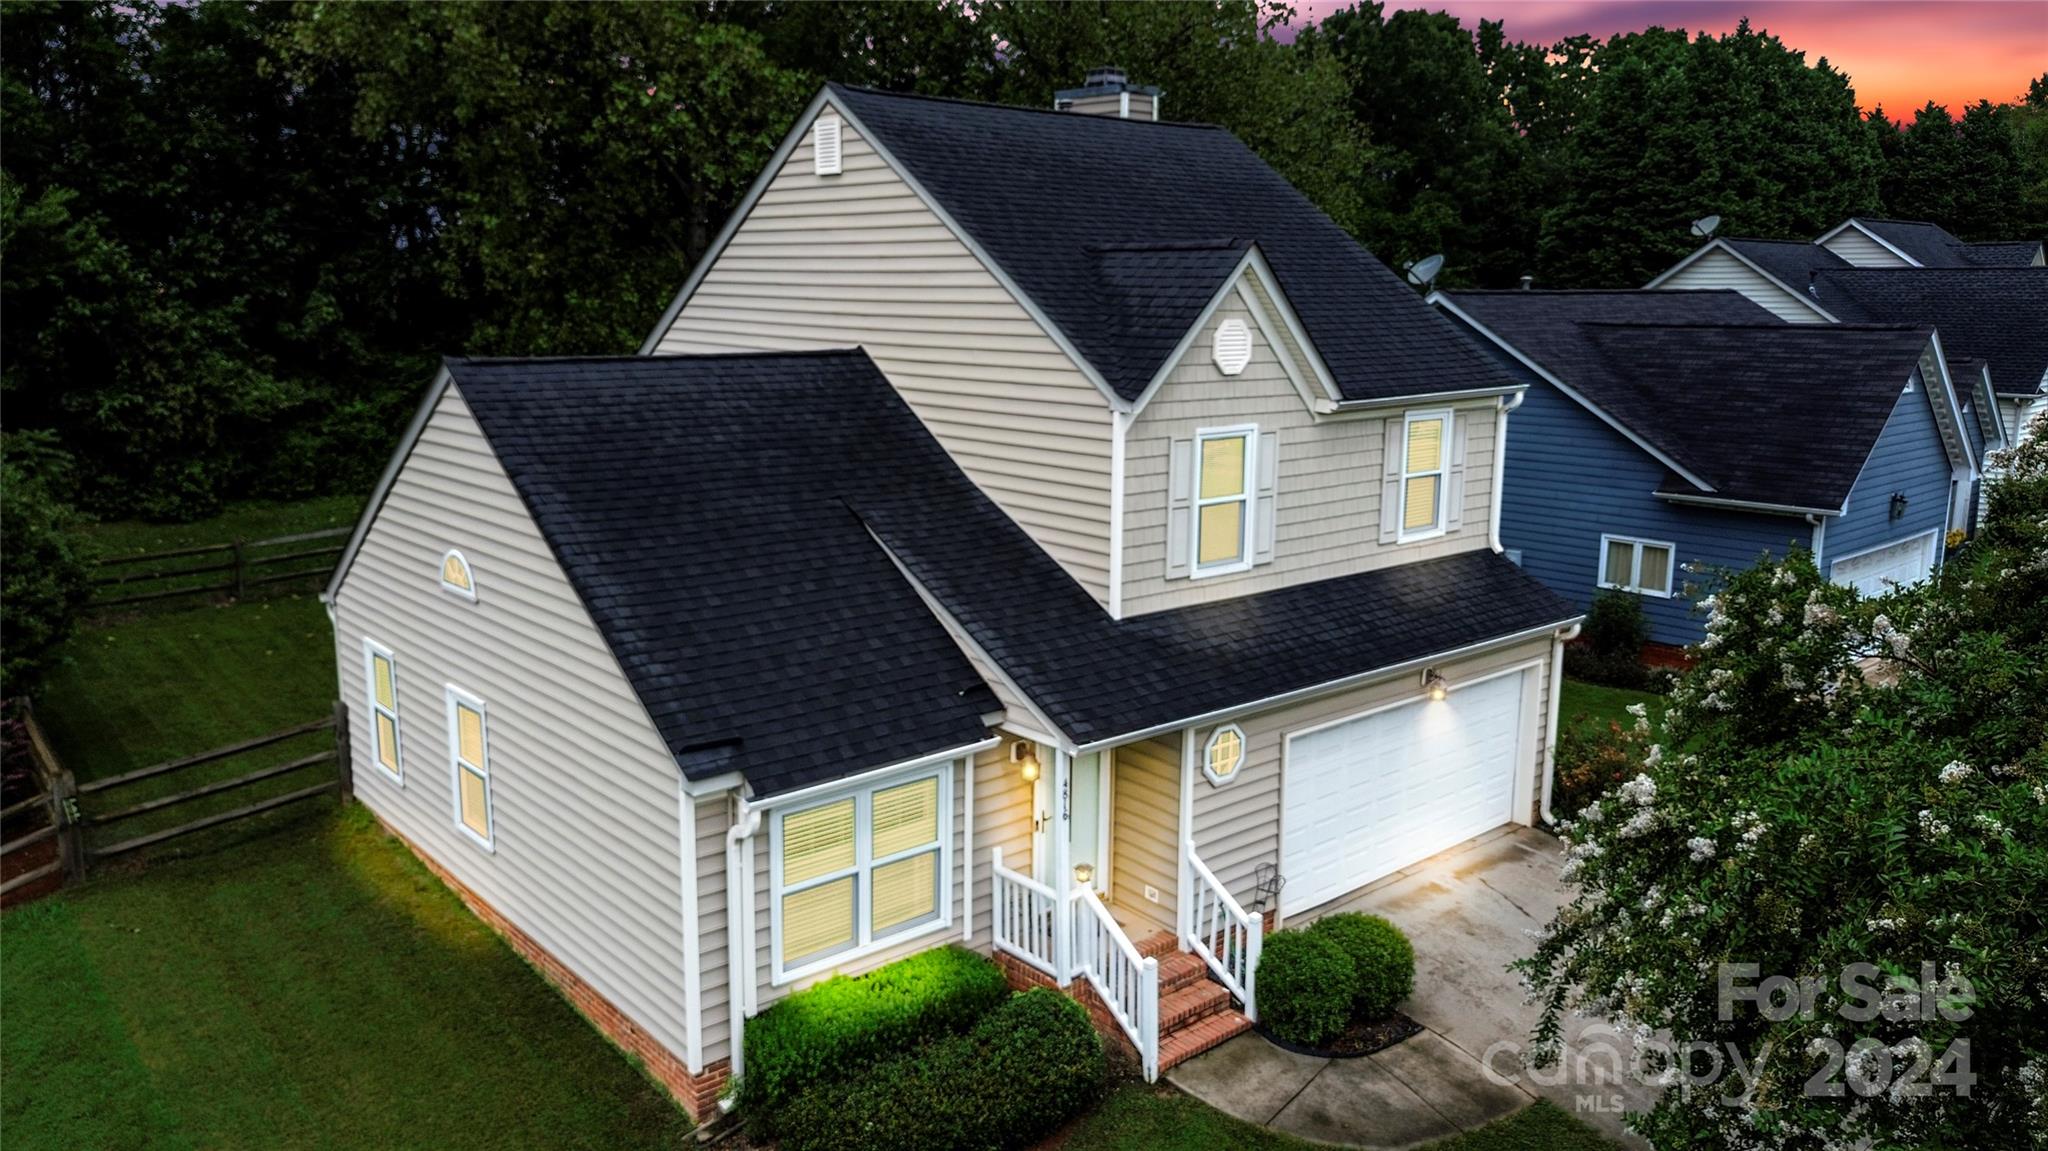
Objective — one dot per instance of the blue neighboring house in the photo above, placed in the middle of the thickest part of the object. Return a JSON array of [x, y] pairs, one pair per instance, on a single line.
[[1667, 428]]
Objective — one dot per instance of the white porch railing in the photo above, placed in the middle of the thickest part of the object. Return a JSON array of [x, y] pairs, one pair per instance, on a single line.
[[1221, 932], [1127, 982], [1026, 924]]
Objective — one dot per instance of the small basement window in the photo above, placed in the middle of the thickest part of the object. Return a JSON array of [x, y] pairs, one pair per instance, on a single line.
[[380, 674], [456, 577], [1640, 566], [859, 870], [469, 749]]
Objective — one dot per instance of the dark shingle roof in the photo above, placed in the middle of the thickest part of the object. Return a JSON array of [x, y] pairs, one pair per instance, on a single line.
[[696, 504], [1999, 315], [1791, 261], [1151, 294], [1936, 247], [714, 513], [1043, 192], [1763, 411]]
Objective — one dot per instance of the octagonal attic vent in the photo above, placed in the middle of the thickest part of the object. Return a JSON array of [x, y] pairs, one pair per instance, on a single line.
[[1233, 346]]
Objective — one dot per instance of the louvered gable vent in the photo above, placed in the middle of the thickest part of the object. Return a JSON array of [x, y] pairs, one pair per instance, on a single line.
[[825, 146], [1233, 346]]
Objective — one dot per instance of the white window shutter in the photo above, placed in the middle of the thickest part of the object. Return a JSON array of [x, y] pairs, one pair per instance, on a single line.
[[1454, 496], [1180, 510], [1265, 500], [825, 146], [1390, 483]]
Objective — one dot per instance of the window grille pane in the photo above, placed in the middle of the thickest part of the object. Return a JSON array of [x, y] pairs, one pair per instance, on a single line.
[[905, 817], [1420, 512], [469, 735], [453, 571], [1656, 573], [817, 842], [1222, 467], [1621, 562], [906, 891], [475, 807], [817, 920], [386, 697], [387, 742], [1222, 534], [1425, 446]]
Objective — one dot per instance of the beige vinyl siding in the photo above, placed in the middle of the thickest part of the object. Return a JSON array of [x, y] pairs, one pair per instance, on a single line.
[[1718, 269], [588, 857], [1002, 818], [1859, 249], [1145, 823], [859, 259], [1327, 496], [1237, 825], [714, 819]]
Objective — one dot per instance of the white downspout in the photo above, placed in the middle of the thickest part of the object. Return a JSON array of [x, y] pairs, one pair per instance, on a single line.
[[1820, 531], [739, 881], [1500, 466], [1556, 701]]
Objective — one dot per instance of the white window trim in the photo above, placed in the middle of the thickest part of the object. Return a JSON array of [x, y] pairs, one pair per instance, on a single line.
[[1246, 497], [468, 593], [1442, 472], [1244, 748], [489, 840], [372, 650], [1636, 565], [865, 941]]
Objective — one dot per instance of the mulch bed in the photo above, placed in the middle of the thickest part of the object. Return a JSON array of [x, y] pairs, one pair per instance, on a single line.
[[1363, 1037]]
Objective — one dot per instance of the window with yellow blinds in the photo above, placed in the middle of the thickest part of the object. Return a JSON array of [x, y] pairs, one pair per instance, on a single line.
[[1424, 464], [859, 870], [380, 676], [1223, 493], [469, 752]]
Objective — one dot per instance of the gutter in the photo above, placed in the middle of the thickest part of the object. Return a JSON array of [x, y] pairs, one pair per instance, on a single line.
[[1564, 637], [1746, 505], [1220, 714], [1338, 407]]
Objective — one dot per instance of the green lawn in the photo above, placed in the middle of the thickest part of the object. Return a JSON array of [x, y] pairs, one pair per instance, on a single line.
[[1142, 1118], [1590, 703], [253, 519], [314, 987]]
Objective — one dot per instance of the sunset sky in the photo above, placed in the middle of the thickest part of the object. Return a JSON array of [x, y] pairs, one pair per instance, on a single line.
[[1898, 53]]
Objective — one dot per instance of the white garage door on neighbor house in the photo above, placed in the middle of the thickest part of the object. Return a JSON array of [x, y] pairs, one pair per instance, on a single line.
[[1369, 795], [1875, 571]]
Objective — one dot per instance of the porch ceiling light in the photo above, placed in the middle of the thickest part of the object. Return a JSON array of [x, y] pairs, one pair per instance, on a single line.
[[1024, 754], [1433, 684]]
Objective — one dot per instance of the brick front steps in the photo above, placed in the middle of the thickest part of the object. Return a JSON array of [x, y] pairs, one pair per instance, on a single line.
[[1195, 1013]]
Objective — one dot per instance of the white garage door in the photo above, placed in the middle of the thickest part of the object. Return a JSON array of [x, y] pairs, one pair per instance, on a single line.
[[1372, 795], [1873, 572]]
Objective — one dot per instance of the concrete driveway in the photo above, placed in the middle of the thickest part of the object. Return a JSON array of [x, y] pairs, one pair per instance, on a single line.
[[1469, 911]]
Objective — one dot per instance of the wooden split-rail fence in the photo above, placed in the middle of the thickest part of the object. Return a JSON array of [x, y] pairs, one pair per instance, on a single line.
[[87, 821], [217, 569]]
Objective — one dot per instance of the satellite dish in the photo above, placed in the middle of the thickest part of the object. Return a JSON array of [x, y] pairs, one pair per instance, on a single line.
[[1705, 225], [1422, 273]]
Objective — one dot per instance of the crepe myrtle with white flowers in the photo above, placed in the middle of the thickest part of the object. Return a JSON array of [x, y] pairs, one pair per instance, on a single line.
[[1839, 781]]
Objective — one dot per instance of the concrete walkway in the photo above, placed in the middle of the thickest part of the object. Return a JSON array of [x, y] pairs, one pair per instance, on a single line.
[[1468, 911]]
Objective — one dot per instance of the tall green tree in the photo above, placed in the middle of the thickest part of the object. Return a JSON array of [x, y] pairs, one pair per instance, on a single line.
[[1673, 129]]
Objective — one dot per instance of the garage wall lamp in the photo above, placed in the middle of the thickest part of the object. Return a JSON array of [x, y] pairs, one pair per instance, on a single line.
[[1898, 504], [1433, 684]]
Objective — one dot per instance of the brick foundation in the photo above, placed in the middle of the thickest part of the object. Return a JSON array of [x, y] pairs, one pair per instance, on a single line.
[[698, 1094]]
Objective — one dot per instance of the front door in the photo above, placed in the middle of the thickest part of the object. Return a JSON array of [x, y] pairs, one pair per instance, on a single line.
[[1086, 814]]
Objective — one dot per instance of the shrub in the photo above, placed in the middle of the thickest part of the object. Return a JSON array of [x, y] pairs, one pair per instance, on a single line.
[[44, 578], [1593, 758], [1610, 647], [1306, 985], [1383, 957], [1027, 1068], [844, 1025]]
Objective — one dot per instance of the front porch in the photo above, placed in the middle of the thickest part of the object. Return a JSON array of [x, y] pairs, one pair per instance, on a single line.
[[1109, 899]]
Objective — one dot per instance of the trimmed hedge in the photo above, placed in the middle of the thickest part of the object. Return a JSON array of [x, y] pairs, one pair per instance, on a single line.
[[1030, 1066], [1382, 956], [844, 1025], [1306, 984]]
